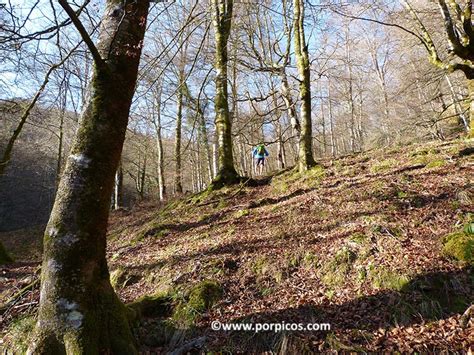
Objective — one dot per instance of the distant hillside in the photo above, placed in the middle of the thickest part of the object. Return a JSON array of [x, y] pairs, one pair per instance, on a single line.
[[379, 245]]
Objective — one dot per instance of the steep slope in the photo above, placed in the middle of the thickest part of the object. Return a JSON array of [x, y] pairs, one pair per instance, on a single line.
[[357, 242]]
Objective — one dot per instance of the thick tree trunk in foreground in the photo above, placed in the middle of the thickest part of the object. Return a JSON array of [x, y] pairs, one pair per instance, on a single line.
[[305, 154], [79, 311], [222, 18]]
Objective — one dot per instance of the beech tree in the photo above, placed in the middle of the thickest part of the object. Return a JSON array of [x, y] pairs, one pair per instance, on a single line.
[[222, 20], [79, 311], [459, 32], [305, 154]]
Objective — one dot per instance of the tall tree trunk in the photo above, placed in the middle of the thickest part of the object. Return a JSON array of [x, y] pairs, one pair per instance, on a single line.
[[323, 124], [360, 125], [59, 161], [350, 93], [118, 189], [177, 146], [79, 312], [142, 177], [159, 146], [290, 108], [470, 86], [222, 19], [305, 156], [331, 122], [457, 106], [279, 136], [205, 142]]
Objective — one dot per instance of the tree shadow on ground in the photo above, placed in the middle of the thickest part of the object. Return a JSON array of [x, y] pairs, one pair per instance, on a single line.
[[427, 297]]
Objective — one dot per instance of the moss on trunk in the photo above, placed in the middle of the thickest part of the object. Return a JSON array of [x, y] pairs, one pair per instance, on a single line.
[[305, 154], [79, 311], [222, 19]]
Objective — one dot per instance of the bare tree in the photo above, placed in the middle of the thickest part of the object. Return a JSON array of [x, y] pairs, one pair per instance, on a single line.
[[79, 310]]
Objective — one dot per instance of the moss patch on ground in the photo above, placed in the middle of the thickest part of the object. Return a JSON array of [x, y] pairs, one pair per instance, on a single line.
[[384, 278], [159, 305], [460, 245], [200, 298], [334, 272], [17, 338], [286, 181]]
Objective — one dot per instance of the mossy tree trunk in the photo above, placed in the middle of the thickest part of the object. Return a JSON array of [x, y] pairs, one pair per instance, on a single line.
[[79, 311], [179, 123], [222, 19], [305, 154], [459, 33], [455, 100]]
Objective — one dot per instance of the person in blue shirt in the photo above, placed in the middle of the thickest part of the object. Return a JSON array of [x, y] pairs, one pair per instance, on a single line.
[[259, 153]]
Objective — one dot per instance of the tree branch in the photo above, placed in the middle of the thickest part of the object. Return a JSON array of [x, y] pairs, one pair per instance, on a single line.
[[450, 28], [82, 31], [380, 23]]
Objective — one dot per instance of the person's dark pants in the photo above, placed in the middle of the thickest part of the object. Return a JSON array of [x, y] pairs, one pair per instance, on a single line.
[[260, 161]]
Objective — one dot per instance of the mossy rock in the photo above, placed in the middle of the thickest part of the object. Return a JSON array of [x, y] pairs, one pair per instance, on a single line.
[[387, 279], [460, 245], [204, 295], [4, 256], [159, 305], [200, 299]]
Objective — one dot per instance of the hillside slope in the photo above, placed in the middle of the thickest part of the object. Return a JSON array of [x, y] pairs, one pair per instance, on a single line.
[[361, 242]]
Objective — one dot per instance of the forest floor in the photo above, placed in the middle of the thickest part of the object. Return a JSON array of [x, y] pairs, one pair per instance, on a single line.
[[357, 242]]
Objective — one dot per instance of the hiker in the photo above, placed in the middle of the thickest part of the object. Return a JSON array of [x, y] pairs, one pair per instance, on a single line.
[[259, 153]]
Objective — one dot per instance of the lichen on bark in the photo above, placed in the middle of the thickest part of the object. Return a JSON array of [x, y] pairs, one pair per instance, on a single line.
[[79, 311]]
